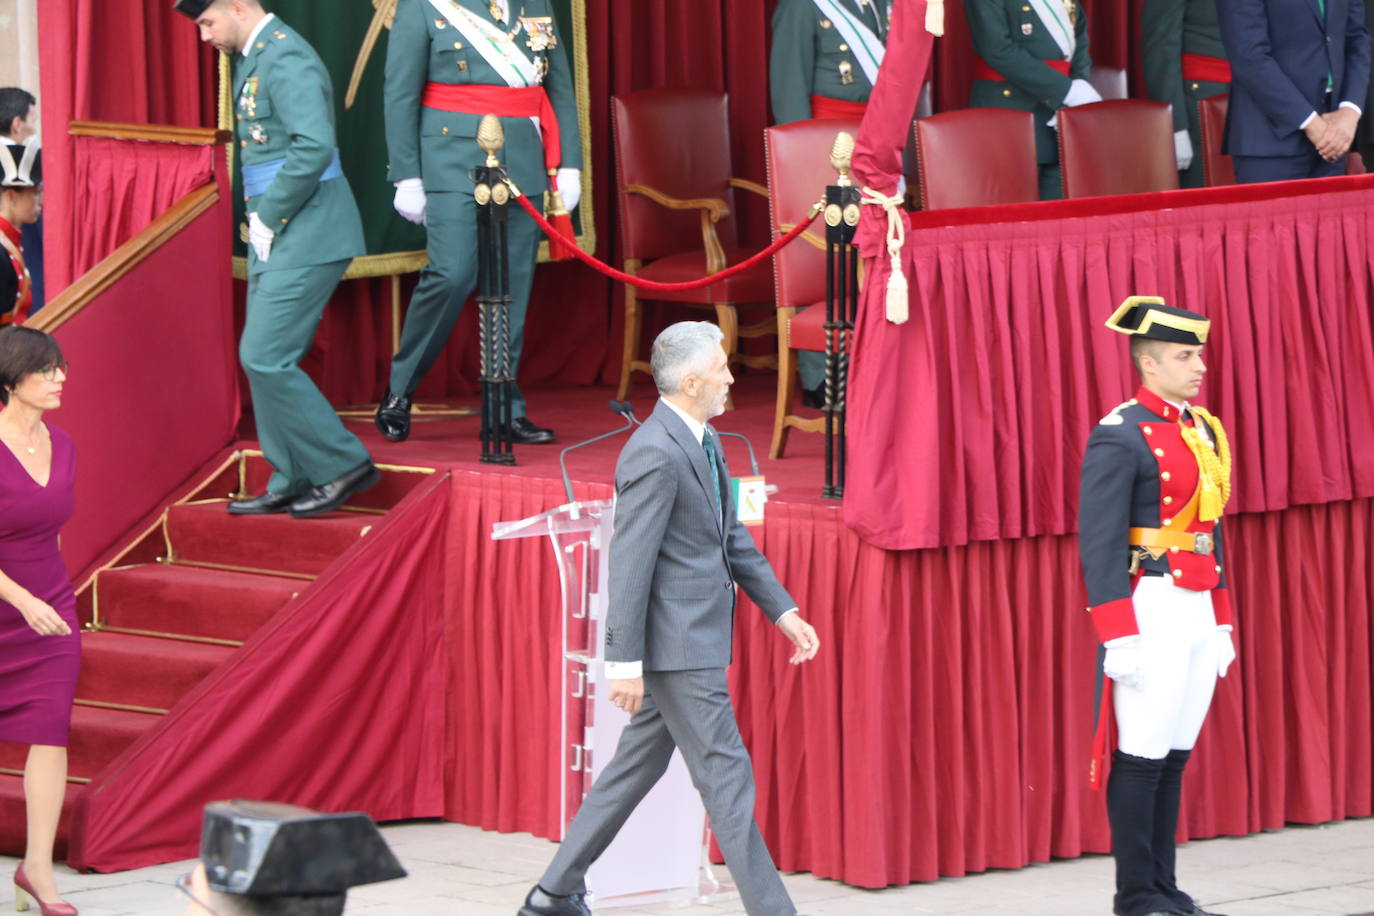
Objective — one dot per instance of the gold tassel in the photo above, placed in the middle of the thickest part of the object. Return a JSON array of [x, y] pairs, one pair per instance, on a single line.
[[897, 309], [1214, 466], [935, 17]]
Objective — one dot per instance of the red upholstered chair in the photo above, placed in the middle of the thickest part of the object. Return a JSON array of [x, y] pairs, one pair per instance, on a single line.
[[1125, 146], [1216, 165], [799, 170], [672, 152], [976, 157], [1110, 82]]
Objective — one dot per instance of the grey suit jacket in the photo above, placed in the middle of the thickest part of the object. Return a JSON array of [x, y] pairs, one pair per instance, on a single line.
[[673, 564]]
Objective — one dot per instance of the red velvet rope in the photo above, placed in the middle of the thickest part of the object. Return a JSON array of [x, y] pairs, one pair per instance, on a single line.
[[631, 279]]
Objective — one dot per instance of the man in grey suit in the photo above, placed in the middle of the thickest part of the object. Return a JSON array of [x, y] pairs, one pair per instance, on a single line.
[[676, 554]]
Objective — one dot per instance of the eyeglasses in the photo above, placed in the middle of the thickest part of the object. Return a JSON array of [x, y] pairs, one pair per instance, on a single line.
[[184, 885], [50, 374]]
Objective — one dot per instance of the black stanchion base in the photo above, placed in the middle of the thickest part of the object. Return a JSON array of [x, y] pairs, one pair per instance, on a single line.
[[832, 492], [498, 458]]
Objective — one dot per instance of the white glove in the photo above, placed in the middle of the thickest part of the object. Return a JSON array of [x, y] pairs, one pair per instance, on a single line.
[[569, 187], [1122, 661], [1226, 650], [1081, 92], [1183, 149], [410, 200], [260, 237]]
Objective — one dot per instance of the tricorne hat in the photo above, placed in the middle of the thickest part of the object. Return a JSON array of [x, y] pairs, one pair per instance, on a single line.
[[1150, 318], [20, 166]]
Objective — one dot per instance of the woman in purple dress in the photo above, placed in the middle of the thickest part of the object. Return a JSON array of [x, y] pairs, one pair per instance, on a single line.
[[40, 642]]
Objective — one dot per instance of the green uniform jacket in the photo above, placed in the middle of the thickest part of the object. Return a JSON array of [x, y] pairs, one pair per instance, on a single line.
[[284, 108], [1010, 37], [1169, 28], [439, 146], [806, 58]]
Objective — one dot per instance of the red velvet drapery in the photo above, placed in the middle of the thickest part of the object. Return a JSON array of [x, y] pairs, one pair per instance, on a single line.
[[134, 62], [1007, 347]]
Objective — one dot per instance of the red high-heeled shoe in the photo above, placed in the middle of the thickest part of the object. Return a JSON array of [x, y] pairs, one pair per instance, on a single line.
[[24, 895]]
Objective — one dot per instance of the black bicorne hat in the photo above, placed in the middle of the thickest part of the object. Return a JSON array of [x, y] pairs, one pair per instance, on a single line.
[[1150, 318], [20, 166]]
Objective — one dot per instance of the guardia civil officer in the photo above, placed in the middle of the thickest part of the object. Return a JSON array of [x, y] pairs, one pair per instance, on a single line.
[[303, 229], [1156, 476]]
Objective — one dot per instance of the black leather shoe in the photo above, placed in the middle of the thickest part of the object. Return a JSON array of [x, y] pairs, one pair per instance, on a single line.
[[393, 417], [266, 504], [813, 397], [540, 902], [524, 432], [329, 496], [1199, 911]]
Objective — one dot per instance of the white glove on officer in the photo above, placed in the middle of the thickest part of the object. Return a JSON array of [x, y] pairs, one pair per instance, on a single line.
[[570, 187], [410, 200], [1226, 649], [1122, 661], [1081, 92], [260, 237], [1183, 149]]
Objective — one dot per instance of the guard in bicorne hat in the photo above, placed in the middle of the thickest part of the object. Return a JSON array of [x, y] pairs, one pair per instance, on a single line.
[[1156, 477], [21, 203]]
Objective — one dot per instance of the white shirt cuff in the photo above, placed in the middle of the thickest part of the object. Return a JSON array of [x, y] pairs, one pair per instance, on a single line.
[[1306, 121], [784, 614], [624, 671], [1353, 107]]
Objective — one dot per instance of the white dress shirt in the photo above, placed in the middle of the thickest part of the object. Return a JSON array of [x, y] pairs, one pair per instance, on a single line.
[[257, 30]]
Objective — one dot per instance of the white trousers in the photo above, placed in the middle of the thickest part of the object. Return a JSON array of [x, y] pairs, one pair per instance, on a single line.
[[1178, 664]]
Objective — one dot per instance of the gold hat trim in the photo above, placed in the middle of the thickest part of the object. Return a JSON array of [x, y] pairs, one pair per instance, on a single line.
[[1196, 326]]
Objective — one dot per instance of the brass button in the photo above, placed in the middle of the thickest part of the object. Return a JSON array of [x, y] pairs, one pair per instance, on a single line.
[[1168, 500], [1007, 93], [1177, 573], [1167, 522], [457, 46], [1025, 9], [1149, 430], [462, 66], [844, 47], [1173, 550], [283, 221], [1164, 475], [1195, 86], [243, 144], [1159, 453], [444, 130], [240, 117], [1217, 568]]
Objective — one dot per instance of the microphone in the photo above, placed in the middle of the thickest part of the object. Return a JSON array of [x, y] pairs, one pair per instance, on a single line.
[[753, 460], [626, 410]]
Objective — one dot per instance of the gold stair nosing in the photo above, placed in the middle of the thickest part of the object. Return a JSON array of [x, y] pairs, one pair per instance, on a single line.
[[180, 637], [122, 707], [79, 780]]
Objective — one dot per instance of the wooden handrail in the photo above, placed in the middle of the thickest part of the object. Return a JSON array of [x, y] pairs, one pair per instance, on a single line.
[[124, 259], [156, 133]]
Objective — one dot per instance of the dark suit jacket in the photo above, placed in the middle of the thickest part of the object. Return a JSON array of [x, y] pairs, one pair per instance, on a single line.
[[673, 565], [1281, 52]]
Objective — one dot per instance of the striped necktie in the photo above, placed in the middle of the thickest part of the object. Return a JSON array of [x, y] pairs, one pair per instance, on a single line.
[[709, 446]]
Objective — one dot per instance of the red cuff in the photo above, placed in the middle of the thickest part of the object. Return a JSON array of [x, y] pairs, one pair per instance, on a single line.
[[1116, 619], [1221, 607]]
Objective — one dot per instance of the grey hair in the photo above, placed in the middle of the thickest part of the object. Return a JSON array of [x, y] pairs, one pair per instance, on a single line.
[[681, 349]]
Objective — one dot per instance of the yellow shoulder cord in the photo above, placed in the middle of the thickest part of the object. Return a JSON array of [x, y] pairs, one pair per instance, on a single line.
[[1214, 466]]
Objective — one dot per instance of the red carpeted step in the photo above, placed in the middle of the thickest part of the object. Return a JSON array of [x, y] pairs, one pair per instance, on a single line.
[[190, 601], [206, 533], [12, 817], [143, 671], [98, 736]]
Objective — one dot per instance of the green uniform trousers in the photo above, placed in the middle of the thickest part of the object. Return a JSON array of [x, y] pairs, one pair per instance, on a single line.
[[451, 276], [1192, 177], [301, 435]]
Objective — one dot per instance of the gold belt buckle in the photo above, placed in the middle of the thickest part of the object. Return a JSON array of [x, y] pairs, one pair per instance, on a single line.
[[1202, 544]]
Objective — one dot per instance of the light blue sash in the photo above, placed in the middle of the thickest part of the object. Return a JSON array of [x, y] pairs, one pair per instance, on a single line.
[[257, 178]]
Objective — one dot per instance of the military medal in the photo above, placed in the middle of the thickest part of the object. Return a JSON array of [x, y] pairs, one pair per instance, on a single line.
[[846, 72], [541, 67], [1027, 28], [258, 135], [540, 32], [1072, 7], [441, 23], [825, 23]]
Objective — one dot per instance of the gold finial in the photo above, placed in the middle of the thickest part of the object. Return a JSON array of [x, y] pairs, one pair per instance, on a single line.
[[840, 154], [491, 137]]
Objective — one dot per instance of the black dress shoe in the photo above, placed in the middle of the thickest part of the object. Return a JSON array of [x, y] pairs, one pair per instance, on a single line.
[[329, 496], [393, 417], [526, 433], [540, 902], [1199, 911], [266, 504], [814, 397]]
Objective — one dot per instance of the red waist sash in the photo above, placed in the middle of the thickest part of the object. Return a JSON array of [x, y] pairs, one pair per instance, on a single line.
[[1201, 68], [502, 101], [823, 106], [981, 70]]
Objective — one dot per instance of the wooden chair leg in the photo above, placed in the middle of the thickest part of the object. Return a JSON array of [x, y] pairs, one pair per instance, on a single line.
[[632, 330], [787, 384]]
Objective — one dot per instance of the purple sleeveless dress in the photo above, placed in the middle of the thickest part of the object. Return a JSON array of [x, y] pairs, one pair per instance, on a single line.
[[37, 673]]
